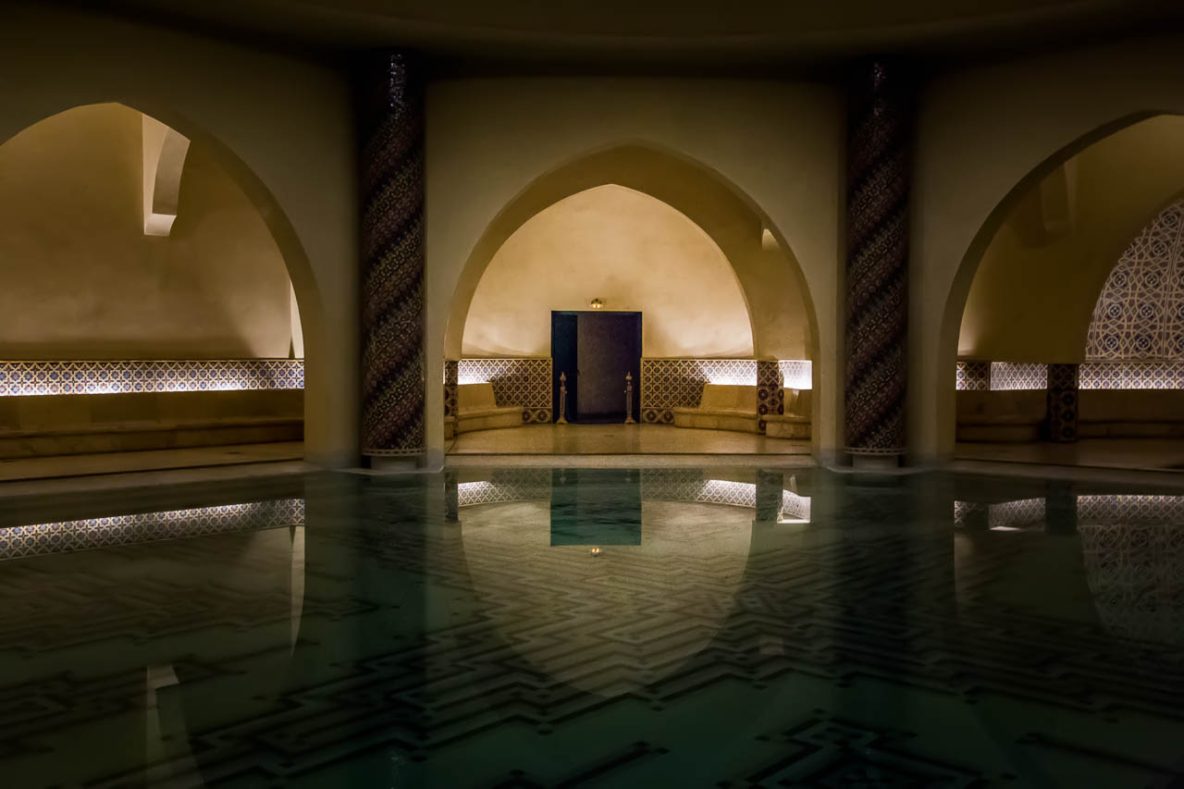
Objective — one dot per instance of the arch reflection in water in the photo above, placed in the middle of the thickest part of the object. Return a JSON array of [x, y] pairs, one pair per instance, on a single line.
[[670, 548]]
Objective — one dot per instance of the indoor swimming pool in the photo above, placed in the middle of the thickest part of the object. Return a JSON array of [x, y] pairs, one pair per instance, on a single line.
[[594, 627]]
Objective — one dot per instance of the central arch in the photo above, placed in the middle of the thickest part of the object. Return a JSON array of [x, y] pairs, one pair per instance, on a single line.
[[732, 221], [781, 315]]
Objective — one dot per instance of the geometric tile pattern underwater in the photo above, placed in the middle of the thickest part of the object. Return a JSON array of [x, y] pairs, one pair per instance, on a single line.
[[119, 376], [1140, 312], [522, 382], [870, 648]]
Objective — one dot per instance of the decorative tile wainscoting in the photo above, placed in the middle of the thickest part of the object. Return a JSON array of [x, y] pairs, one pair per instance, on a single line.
[[797, 373], [125, 376], [80, 535], [1132, 375], [667, 384], [524, 381], [1010, 376], [1004, 376]]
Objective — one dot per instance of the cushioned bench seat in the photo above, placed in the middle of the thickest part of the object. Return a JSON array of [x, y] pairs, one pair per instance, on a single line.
[[1001, 416], [38, 426], [1131, 413], [477, 409], [795, 422], [722, 407]]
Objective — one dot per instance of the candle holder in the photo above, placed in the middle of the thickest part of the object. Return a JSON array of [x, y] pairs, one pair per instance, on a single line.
[[629, 399], [562, 420]]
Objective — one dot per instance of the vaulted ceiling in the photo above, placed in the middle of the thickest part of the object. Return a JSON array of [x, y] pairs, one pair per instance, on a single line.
[[682, 31]]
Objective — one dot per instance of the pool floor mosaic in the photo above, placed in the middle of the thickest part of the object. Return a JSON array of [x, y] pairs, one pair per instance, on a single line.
[[429, 632]]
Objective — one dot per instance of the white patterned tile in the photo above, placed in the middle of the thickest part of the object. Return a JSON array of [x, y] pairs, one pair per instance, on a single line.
[[119, 376]]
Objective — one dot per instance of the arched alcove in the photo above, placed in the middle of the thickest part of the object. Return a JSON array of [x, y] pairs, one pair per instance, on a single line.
[[215, 286], [631, 251], [1037, 278], [1028, 285], [783, 322], [100, 292]]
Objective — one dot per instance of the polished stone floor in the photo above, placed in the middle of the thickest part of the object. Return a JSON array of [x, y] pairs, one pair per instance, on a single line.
[[148, 460], [620, 440], [594, 627], [1133, 453]]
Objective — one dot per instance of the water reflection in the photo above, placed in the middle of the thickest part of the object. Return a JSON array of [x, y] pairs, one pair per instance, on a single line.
[[1126, 549], [749, 627]]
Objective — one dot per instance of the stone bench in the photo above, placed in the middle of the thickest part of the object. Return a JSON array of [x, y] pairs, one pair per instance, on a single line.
[[1130, 413], [722, 407], [795, 422], [1001, 416], [477, 409], [47, 425]]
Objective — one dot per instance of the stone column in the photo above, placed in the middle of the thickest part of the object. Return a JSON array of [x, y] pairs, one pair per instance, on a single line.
[[1062, 403], [878, 175], [770, 389], [392, 255]]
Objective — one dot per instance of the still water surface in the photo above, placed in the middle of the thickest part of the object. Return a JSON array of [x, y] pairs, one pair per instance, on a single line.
[[614, 628]]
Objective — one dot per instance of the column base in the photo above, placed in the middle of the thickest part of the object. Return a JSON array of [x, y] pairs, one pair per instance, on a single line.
[[879, 461]]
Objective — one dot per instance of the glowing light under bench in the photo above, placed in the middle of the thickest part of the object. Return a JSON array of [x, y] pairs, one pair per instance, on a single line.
[[80, 535], [24, 378], [730, 372], [797, 373]]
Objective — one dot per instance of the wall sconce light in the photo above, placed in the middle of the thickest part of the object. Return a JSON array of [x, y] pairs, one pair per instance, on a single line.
[[596, 304]]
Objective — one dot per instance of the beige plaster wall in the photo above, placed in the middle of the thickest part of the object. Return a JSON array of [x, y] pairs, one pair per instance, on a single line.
[[776, 146], [984, 135], [281, 127], [1034, 292], [82, 280], [629, 250]]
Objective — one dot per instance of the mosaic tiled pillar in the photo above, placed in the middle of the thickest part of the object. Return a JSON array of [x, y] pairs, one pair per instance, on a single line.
[[451, 379], [769, 488], [770, 393], [1062, 403], [451, 496], [877, 263], [392, 254], [1060, 508]]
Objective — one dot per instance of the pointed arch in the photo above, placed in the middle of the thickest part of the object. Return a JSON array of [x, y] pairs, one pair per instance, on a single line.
[[730, 218]]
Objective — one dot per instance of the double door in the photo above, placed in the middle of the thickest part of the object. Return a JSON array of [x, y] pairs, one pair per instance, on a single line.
[[595, 350]]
